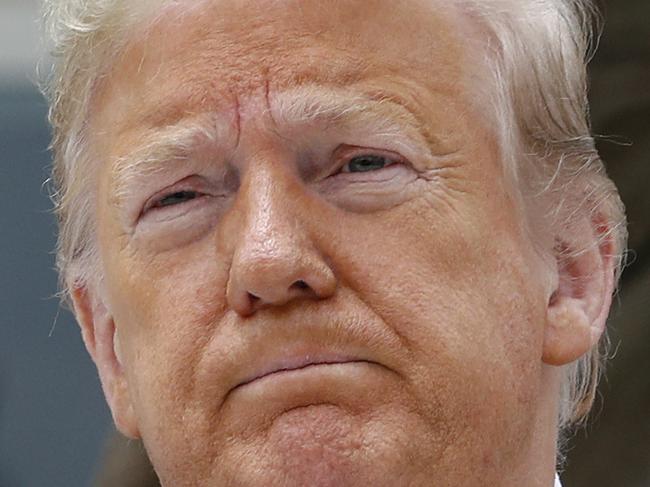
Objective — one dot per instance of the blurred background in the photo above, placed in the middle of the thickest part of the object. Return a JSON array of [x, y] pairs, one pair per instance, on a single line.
[[54, 425], [53, 420]]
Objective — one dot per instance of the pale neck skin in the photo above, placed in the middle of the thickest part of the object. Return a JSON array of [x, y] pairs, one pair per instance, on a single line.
[[422, 269]]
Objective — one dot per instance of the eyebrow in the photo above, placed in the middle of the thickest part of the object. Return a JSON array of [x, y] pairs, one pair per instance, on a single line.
[[382, 112], [378, 113], [157, 148]]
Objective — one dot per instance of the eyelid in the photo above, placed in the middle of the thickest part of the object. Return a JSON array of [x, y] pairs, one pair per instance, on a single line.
[[190, 184], [159, 202]]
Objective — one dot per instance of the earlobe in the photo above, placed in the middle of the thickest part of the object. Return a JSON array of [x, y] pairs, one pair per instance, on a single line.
[[578, 309], [569, 333], [102, 342]]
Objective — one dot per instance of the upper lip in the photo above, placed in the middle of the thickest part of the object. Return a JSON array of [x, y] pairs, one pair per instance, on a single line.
[[298, 360]]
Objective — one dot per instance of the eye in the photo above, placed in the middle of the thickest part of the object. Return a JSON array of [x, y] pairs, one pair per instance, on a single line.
[[367, 163], [181, 198], [175, 198]]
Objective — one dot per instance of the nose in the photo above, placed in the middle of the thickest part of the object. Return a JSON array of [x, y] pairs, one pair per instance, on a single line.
[[274, 260]]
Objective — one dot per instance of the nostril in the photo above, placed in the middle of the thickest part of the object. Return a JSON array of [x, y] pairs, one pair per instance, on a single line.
[[253, 298], [300, 285]]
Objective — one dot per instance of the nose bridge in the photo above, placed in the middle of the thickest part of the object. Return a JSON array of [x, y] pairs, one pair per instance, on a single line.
[[274, 260], [269, 210]]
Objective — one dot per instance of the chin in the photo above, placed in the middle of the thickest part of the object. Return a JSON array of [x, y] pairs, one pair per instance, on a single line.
[[317, 445]]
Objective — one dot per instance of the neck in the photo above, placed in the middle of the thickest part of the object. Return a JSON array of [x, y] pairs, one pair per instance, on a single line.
[[539, 465]]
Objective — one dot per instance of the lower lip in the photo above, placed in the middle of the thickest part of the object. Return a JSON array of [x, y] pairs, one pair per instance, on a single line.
[[346, 384]]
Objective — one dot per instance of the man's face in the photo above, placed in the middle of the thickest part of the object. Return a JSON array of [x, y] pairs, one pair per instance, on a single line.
[[321, 276]]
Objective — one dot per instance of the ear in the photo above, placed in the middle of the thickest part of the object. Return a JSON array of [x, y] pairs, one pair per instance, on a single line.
[[101, 339], [578, 309]]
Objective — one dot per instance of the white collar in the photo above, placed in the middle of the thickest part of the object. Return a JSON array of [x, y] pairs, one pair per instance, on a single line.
[[557, 481]]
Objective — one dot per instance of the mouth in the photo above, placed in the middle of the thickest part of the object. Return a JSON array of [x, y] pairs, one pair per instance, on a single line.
[[299, 363]]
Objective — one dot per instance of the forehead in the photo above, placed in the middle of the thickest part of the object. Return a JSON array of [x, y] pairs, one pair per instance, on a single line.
[[192, 59]]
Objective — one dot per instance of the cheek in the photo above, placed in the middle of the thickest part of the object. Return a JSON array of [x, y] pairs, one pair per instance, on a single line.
[[463, 298], [167, 310]]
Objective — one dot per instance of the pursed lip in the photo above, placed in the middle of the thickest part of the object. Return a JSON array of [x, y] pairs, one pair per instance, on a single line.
[[299, 361], [301, 339]]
